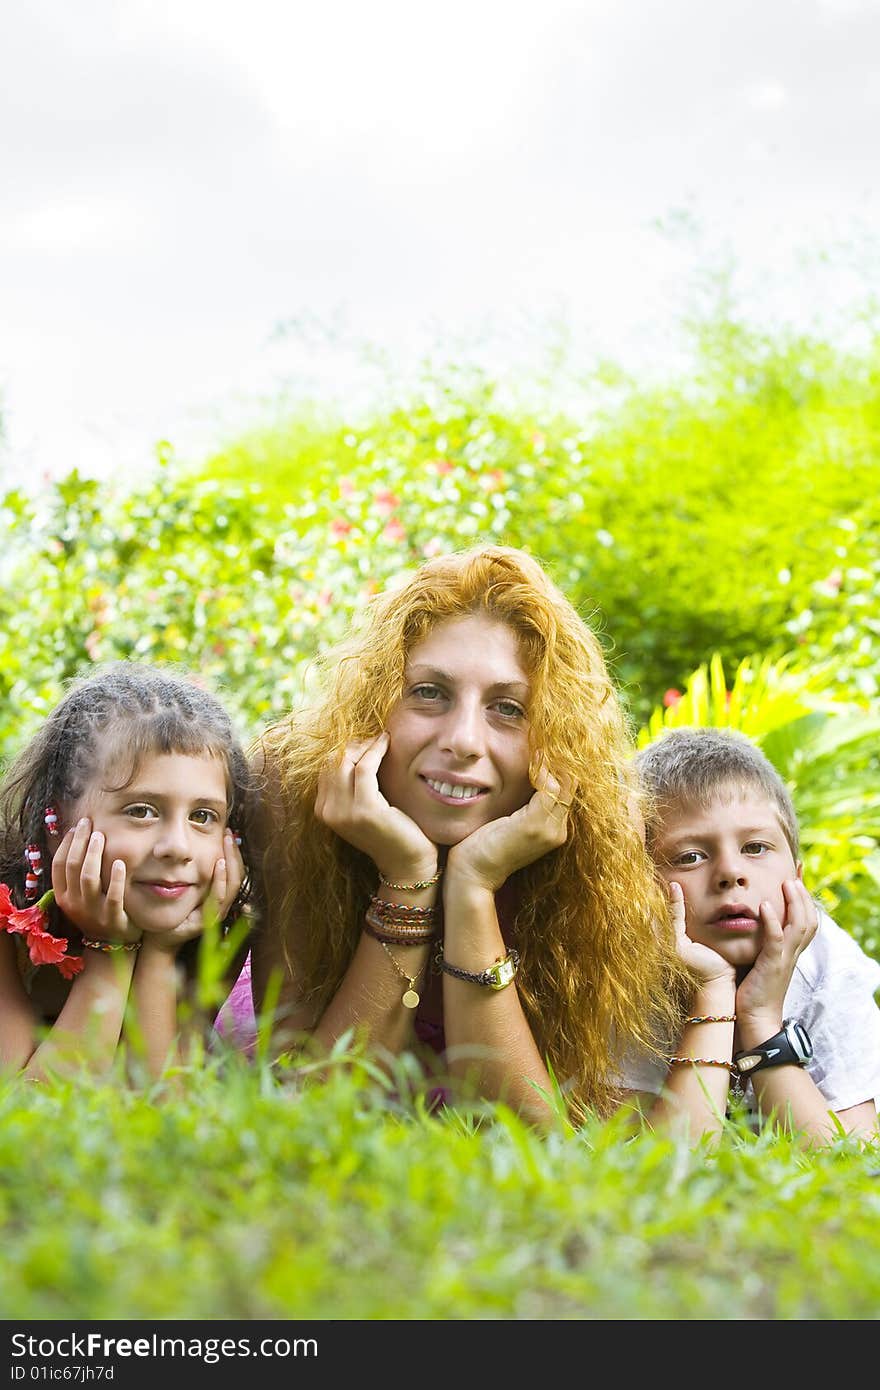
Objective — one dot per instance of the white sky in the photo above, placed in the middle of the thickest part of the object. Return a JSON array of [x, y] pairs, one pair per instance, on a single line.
[[179, 179]]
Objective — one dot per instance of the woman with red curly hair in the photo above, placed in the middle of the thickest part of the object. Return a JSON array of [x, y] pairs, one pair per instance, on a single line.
[[451, 846]]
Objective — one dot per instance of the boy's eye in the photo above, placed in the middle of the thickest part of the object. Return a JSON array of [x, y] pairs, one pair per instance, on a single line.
[[205, 816], [687, 858], [140, 811], [755, 847]]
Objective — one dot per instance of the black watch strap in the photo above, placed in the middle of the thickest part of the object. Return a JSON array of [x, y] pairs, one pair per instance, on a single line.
[[790, 1047]]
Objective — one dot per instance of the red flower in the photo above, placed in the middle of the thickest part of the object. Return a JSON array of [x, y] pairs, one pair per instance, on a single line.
[[671, 698], [30, 922], [45, 949], [26, 919]]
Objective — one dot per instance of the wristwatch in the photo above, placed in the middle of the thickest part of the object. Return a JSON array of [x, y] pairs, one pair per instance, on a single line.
[[790, 1047], [498, 976]]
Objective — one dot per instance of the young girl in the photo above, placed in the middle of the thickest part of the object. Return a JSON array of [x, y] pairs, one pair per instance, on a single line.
[[128, 803], [451, 846]]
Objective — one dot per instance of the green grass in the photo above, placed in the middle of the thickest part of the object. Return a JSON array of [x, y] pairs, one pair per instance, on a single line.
[[242, 1198]]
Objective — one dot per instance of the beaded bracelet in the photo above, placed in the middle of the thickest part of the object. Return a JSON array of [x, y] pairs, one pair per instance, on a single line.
[[713, 1018], [411, 887], [399, 938], [111, 945], [402, 915]]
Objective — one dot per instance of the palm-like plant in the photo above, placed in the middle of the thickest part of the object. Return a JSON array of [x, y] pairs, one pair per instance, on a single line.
[[827, 749]]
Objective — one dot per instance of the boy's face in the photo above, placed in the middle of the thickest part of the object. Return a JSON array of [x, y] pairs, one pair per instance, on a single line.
[[729, 857]]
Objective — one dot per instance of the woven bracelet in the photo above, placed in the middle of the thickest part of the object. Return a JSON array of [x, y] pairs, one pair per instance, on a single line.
[[713, 1018], [111, 945], [411, 887], [697, 1062]]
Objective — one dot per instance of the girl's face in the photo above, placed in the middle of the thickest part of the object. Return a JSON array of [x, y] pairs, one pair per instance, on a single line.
[[167, 827], [459, 752]]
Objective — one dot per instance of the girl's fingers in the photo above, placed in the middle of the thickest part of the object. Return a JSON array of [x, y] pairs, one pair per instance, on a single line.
[[116, 896], [90, 867], [676, 900], [59, 864]]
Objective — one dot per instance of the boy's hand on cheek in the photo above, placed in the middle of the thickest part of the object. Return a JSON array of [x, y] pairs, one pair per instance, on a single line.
[[760, 999], [707, 964]]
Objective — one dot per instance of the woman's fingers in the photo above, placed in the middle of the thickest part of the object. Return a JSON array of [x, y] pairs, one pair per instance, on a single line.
[[555, 793], [370, 759]]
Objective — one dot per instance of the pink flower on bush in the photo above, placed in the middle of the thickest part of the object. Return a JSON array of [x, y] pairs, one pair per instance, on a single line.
[[492, 480], [434, 547], [671, 698], [394, 531], [443, 466], [385, 502], [346, 487], [339, 527]]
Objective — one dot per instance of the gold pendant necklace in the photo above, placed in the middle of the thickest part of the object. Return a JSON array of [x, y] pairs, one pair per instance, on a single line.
[[410, 998]]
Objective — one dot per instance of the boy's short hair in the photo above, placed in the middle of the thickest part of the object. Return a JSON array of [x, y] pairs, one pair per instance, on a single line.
[[697, 764]]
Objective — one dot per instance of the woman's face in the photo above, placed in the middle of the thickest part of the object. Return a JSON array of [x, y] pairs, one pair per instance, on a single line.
[[459, 755]]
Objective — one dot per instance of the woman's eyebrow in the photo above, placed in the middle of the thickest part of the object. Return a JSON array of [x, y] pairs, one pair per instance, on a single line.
[[434, 673]]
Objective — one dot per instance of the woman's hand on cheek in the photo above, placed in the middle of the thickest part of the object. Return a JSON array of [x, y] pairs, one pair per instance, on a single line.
[[79, 893], [350, 802], [491, 854]]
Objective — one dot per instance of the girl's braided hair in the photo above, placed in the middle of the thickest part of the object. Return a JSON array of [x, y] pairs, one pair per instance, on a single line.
[[114, 719]]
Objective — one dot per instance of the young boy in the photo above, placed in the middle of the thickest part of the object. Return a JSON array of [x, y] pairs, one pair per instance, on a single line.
[[783, 1010]]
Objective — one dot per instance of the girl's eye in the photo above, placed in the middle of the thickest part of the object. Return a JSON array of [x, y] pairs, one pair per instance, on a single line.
[[755, 847], [205, 816], [687, 858], [140, 812]]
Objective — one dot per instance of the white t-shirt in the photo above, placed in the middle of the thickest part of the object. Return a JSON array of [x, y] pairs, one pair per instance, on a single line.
[[832, 995]]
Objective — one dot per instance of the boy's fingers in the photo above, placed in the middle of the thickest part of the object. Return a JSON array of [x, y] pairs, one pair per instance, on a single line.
[[676, 900], [771, 922]]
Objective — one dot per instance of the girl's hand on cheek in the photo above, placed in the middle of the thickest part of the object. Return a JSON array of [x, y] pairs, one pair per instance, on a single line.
[[491, 854], [225, 885], [79, 893], [350, 802]]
